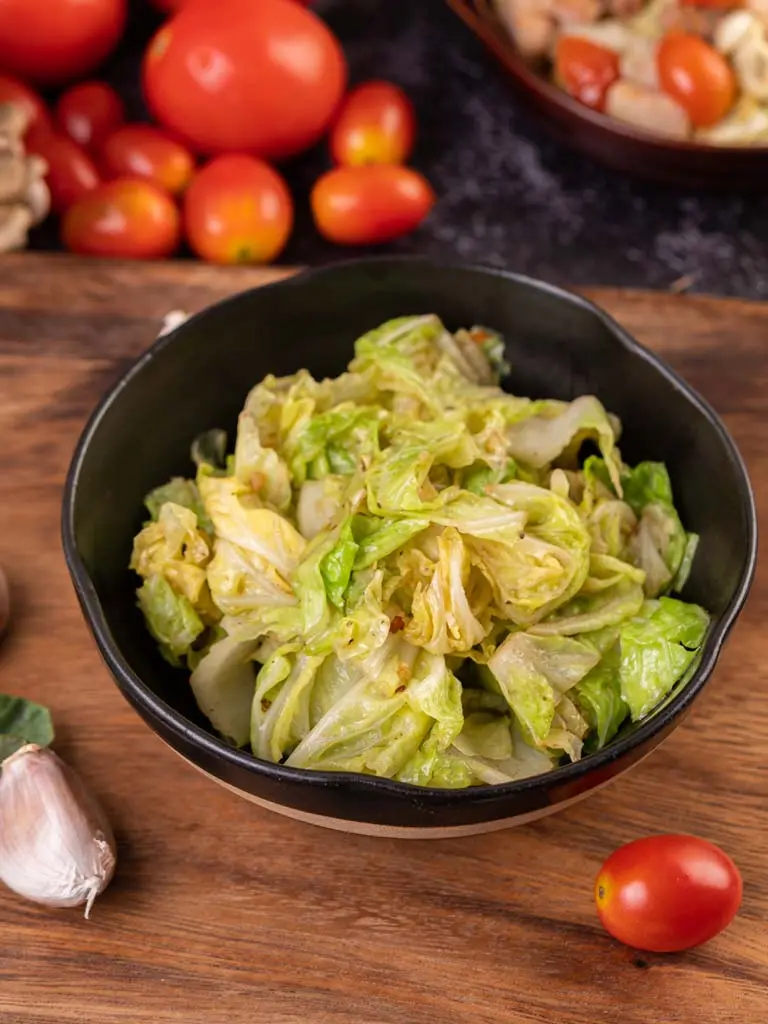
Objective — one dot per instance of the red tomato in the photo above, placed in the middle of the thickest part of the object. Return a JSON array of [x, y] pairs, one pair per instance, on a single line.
[[71, 172], [263, 77], [697, 76], [142, 151], [89, 112], [667, 893], [53, 41], [238, 210], [585, 70], [365, 205], [128, 218], [13, 91], [377, 125]]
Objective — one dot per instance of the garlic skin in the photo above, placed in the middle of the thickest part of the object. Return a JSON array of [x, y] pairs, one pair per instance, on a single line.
[[56, 845]]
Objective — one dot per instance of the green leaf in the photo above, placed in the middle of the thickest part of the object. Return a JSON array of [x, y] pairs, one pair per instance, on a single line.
[[378, 538], [182, 492], [480, 475], [557, 430], [178, 490], [170, 617], [656, 648], [599, 698], [22, 721], [335, 441], [260, 467], [336, 566], [661, 547], [223, 683], [534, 672], [648, 482], [210, 449], [686, 562], [340, 460]]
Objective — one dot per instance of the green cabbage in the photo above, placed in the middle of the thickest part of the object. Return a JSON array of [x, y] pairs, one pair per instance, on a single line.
[[170, 617], [657, 646], [405, 571]]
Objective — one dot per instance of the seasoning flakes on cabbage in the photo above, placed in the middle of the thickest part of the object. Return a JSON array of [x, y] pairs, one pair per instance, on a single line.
[[406, 571]]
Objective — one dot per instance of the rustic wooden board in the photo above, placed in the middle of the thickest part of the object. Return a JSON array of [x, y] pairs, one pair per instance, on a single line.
[[222, 912]]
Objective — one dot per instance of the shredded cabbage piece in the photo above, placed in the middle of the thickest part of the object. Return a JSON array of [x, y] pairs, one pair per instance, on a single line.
[[406, 571]]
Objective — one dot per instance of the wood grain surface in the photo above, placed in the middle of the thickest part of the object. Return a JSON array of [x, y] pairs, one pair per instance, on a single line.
[[222, 913]]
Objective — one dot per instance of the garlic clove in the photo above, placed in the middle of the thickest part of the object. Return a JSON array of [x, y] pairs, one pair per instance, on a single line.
[[56, 845]]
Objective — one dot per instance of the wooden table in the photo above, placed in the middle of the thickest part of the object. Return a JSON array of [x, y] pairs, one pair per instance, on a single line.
[[222, 913]]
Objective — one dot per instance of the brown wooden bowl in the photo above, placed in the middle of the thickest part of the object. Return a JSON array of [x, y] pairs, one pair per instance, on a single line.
[[619, 145]]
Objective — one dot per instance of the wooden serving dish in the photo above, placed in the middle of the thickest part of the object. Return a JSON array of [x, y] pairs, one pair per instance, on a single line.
[[618, 145]]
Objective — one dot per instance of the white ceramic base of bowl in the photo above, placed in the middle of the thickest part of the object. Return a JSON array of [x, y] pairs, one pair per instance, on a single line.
[[367, 828]]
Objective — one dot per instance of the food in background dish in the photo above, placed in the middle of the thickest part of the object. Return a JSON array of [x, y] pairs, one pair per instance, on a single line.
[[408, 572], [695, 71]]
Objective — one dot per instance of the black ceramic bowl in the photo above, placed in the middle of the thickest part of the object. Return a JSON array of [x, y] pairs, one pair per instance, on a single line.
[[198, 376]]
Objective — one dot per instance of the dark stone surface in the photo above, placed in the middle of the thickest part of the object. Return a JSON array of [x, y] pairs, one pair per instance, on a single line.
[[508, 195]]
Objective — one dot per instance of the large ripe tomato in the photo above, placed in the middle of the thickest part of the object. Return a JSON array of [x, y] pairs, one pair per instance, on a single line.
[[54, 41], [697, 76], [263, 77], [71, 172], [585, 70], [376, 125], [667, 893], [14, 91], [143, 151], [127, 218], [238, 210], [366, 205], [89, 112]]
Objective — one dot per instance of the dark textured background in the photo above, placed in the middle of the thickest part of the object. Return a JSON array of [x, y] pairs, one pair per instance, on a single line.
[[508, 195]]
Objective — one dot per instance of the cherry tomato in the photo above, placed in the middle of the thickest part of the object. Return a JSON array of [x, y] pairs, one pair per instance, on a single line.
[[71, 172], [52, 41], [89, 112], [260, 77], [142, 151], [128, 218], [377, 125], [365, 205], [585, 70], [667, 893], [238, 210], [13, 91], [697, 76]]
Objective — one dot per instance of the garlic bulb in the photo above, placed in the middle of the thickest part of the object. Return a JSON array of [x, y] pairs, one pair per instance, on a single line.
[[56, 846]]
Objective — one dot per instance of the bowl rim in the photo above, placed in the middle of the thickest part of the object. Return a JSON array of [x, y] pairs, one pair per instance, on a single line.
[[153, 708], [491, 32]]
